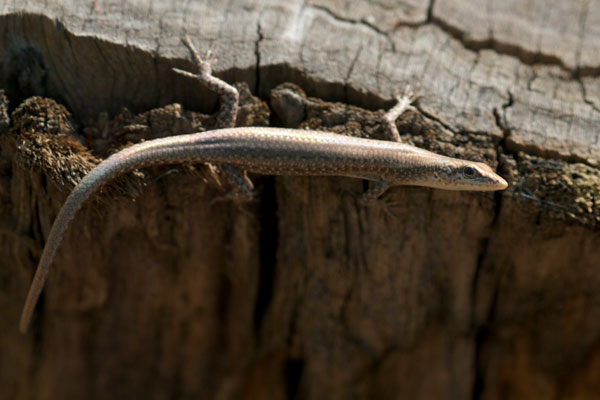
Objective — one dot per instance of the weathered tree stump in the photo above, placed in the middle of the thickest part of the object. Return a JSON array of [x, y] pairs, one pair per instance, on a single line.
[[162, 289]]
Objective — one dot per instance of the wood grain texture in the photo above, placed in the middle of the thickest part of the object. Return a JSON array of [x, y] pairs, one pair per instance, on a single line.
[[162, 292]]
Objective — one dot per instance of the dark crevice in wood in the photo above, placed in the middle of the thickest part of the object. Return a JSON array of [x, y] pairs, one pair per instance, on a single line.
[[482, 330], [585, 97], [587, 72], [531, 79], [349, 73], [26, 74], [430, 11], [500, 118], [257, 55], [269, 234], [479, 376], [484, 333], [293, 374], [435, 119]]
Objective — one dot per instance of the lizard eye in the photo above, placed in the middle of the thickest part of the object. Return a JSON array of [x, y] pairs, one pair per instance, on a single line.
[[468, 172]]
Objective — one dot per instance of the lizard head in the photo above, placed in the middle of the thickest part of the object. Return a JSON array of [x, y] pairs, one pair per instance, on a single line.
[[455, 174]]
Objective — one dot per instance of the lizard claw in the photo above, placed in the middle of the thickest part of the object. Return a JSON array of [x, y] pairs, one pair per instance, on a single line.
[[203, 64], [211, 56], [407, 95]]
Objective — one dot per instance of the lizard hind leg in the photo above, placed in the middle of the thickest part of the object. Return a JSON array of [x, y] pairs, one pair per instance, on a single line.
[[243, 189], [371, 199], [376, 190], [229, 105], [228, 95]]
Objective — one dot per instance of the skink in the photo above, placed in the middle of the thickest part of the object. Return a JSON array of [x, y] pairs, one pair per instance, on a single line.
[[275, 151]]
